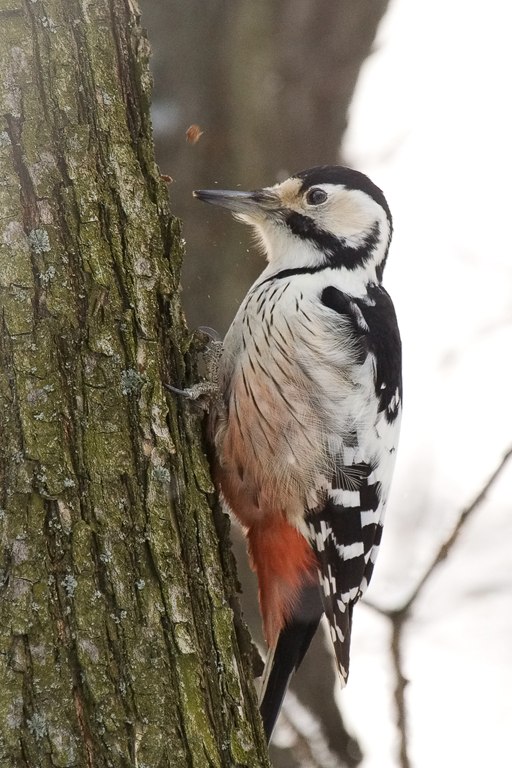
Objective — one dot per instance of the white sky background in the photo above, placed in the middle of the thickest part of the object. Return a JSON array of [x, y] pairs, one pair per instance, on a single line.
[[432, 125]]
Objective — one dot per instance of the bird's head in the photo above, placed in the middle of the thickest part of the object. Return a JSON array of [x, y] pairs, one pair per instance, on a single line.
[[326, 216]]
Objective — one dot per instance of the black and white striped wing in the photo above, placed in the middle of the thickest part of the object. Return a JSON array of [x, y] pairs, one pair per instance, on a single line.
[[345, 534], [345, 531]]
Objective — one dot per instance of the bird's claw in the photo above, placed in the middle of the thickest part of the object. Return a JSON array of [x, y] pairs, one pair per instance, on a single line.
[[201, 393], [205, 392]]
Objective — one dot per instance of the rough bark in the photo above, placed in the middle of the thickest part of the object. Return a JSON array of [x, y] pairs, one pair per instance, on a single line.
[[117, 641]]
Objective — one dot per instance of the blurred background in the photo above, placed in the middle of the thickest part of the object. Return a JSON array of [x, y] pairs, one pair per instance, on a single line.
[[417, 95]]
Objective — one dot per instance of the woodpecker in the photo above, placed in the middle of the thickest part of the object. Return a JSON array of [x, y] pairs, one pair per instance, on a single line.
[[305, 426]]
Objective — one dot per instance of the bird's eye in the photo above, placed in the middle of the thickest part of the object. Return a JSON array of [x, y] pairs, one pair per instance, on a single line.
[[315, 196]]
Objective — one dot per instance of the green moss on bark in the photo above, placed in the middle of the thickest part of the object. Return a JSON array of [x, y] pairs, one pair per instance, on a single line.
[[117, 642]]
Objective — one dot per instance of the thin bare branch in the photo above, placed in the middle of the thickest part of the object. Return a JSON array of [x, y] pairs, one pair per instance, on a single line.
[[400, 616], [446, 546], [401, 683]]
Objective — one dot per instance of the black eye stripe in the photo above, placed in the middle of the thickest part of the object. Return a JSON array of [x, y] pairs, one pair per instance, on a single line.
[[335, 250]]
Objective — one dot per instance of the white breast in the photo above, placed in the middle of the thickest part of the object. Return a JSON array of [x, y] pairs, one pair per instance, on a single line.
[[295, 391]]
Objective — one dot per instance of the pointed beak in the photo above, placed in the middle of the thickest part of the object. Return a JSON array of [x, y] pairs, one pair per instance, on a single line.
[[257, 203]]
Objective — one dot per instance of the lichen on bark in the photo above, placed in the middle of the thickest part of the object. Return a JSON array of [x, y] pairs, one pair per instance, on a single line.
[[117, 640]]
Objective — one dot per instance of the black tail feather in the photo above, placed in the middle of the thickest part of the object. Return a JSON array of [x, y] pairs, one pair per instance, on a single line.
[[286, 656]]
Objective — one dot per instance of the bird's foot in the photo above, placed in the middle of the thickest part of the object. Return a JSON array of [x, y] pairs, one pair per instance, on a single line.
[[205, 392]]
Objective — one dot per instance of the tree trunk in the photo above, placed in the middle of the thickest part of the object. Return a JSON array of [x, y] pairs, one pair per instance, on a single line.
[[117, 640]]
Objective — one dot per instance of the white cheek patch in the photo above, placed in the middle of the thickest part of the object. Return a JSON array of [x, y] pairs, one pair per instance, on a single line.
[[347, 212]]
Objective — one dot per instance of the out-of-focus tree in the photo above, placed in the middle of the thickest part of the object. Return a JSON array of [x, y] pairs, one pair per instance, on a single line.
[[270, 84]]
